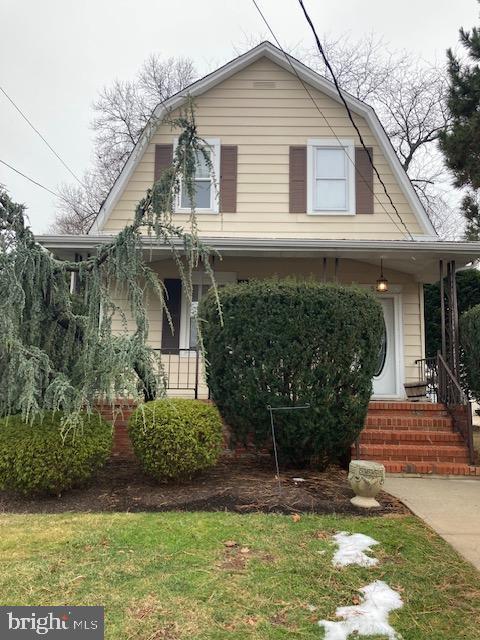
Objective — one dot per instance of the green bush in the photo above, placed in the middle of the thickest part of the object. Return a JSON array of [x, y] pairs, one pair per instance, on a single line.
[[35, 459], [470, 340], [175, 437], [287, 343]]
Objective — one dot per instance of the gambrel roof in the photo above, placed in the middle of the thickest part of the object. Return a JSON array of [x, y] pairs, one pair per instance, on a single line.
[[307, 75]]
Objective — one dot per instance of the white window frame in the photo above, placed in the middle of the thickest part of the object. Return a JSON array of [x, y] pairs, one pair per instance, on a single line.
[[348, 146], [214, 145], [198, 278]]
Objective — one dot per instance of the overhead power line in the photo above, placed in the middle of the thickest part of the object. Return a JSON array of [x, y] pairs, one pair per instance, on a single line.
[[38, 184], [305, 86], [41, 136], [350, 115]]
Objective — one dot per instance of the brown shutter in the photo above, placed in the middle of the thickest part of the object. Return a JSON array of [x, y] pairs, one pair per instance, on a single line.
[[228, 178], [171, 341], [298, 179], [363, 180], [163, 159]]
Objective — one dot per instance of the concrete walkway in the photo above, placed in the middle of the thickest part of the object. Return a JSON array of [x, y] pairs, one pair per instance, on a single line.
[[450, 506]]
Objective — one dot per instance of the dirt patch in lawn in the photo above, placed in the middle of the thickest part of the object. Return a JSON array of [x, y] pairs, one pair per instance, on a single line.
[[242, 486]]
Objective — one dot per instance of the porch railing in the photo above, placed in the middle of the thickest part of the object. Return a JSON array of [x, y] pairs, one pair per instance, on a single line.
[[443, 386], [428, 371], [459, 406], [182, 370]]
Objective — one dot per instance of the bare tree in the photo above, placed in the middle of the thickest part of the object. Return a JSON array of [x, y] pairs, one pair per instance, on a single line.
[[80, 203], [121, 112], [362, 67]]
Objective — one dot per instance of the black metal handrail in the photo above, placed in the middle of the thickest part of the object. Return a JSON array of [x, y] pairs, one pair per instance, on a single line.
[[459, 406], [428, 372], [443, 386], [181, 368]]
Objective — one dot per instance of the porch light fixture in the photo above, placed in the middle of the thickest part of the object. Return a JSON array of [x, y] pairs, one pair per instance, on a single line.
[[382, 282]]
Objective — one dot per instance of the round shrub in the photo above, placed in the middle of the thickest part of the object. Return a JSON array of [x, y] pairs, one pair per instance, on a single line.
[[470, 340], [289, 343], [36, 459], [175, 437]]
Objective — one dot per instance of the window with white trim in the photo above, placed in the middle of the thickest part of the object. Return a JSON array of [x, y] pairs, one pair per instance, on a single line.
[[331, 177], [206, 200]]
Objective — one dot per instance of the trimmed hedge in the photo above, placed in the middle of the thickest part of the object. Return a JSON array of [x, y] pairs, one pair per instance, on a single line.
[[287, 343], [35, 459], [175, 437], [470, 341]]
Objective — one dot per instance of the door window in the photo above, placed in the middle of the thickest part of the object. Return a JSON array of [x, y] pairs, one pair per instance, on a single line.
[[382, 353]]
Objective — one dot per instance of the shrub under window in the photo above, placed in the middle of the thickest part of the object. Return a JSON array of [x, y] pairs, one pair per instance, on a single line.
[[175, 437], [36, 459], [288, 343]]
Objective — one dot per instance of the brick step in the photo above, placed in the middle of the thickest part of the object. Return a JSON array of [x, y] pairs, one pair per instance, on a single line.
[[394, 436], [385, 421], [430, 407], [430, 415], [426, 415], [440, 468], [409, 452]]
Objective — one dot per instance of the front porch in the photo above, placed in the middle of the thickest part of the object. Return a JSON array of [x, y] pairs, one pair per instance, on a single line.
[[405, 267]]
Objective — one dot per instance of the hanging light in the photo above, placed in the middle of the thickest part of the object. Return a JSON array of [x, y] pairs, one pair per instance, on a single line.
[[382, 282]]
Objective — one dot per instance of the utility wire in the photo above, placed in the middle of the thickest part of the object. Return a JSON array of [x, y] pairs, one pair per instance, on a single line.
[[287, 57], [354, 124], [41, 136], [57, 195]]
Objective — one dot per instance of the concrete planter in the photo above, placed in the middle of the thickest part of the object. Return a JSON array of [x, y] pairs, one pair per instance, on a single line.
[[366, 479]]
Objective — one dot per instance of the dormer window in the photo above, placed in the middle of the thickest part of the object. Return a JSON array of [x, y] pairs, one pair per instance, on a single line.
[[206, 183], [331, 177]]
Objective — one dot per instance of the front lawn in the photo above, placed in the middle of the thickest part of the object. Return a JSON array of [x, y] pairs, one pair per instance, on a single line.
[[170, 576]]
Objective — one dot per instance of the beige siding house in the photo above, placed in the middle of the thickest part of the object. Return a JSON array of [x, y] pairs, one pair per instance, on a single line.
[[297, 197]]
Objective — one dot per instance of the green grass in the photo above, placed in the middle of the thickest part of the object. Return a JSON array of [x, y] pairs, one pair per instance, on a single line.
[[169, 576]]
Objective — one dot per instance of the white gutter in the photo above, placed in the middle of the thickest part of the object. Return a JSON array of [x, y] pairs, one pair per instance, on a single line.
[[85, 242]]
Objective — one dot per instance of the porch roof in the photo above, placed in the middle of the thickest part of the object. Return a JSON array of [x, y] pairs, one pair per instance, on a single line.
[[419, 258]]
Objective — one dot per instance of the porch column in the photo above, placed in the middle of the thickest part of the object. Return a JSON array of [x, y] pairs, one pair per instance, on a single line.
[[449, 318], [442, 312]]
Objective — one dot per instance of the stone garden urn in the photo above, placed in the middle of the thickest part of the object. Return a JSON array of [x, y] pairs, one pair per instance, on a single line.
[[366, 479]]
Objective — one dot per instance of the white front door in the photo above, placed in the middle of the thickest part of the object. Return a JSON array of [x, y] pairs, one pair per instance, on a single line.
[[385, 380]]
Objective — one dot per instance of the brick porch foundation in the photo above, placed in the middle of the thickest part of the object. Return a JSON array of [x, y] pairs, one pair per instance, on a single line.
[[407, 437]]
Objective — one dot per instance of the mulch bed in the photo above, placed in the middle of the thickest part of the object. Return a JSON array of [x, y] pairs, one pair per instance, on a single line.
[[242, 486]]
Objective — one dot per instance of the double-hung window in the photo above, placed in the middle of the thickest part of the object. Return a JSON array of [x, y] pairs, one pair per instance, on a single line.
[[206, 179], [331, 177]]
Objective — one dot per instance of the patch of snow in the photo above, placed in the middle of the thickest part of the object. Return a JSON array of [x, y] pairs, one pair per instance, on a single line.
[[351, 549], [369, 618]]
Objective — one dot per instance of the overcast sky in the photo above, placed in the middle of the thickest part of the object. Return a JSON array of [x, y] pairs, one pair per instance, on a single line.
[[56, 54]]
